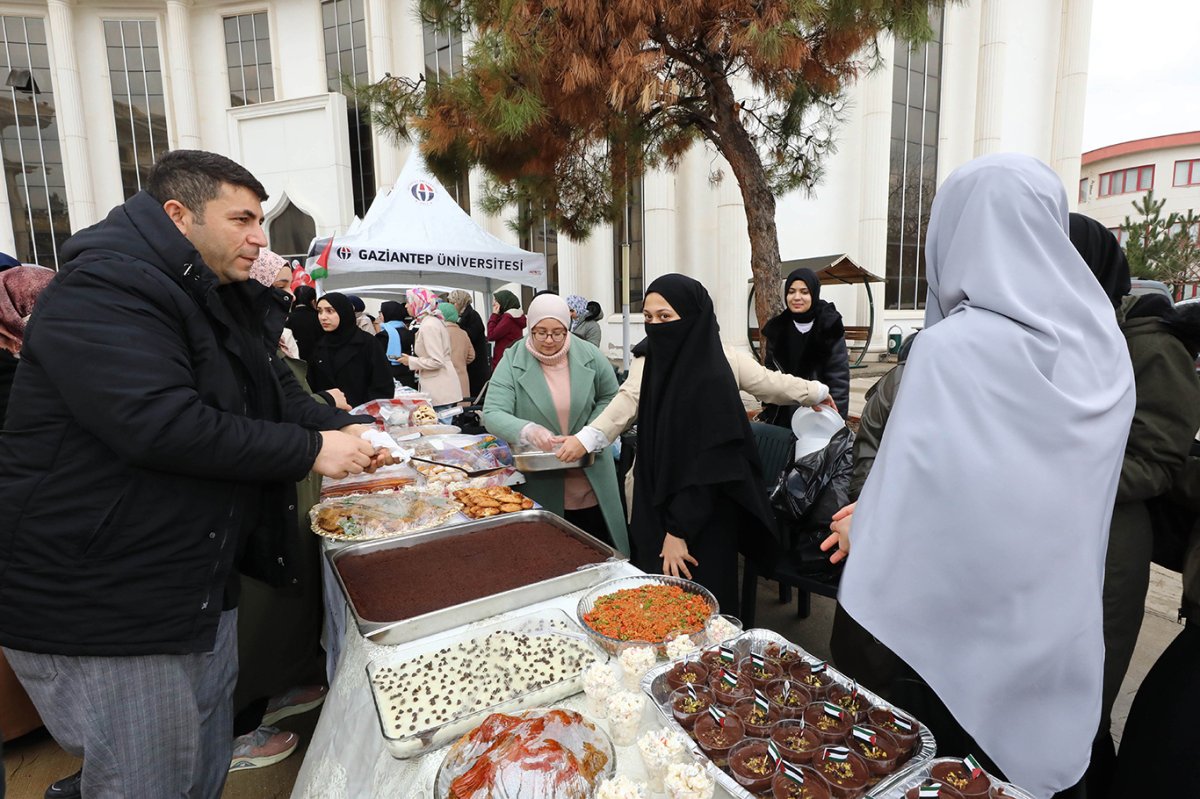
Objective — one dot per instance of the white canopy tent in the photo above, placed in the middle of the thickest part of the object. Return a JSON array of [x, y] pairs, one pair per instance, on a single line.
[[416, 234]]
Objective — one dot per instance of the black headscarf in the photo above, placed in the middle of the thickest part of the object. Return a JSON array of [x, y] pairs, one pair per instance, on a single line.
[[393, 311], [686, 368], [797, 353], [809, 278], [1103, 255], [334, 346], [594, 312]]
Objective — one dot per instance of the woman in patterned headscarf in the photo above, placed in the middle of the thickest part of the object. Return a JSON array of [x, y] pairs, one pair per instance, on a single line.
[[19, 288], [433, 361]]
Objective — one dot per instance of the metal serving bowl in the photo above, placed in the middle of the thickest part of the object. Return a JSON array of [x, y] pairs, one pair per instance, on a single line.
[[614, 645]]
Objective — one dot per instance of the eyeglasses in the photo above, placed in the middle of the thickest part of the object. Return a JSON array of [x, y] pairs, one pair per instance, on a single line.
[[553, 335]]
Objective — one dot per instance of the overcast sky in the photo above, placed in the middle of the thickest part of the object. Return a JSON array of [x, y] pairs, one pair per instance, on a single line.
[[1143, 70]]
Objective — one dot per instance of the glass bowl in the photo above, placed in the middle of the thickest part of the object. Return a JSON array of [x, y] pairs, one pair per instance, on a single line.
[[614, 645]]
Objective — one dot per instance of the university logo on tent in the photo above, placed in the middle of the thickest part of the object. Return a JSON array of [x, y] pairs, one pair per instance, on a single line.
[[344, 253], [422, 192]]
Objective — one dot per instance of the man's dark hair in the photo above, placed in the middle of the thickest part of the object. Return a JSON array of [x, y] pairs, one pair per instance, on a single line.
[[193, 177], [305, 295]]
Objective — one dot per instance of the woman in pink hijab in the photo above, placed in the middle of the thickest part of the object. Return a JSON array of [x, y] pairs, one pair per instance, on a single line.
[[19, 288]]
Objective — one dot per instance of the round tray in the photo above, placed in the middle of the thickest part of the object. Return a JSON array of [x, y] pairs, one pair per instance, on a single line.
[[613, 645], [454, 764]]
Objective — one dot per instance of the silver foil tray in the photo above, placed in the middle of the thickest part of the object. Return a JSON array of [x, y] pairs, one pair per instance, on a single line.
[[548, 462], [654, 685], [402, 631], [895, 786]]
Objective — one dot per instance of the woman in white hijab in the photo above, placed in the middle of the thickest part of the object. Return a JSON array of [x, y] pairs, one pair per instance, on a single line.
[[980, 535]]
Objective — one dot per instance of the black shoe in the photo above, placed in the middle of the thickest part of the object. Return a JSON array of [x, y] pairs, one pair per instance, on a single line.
[[67, 788]]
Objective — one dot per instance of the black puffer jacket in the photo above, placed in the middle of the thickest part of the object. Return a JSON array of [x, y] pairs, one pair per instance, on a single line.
[[824, 358], [128, 467]]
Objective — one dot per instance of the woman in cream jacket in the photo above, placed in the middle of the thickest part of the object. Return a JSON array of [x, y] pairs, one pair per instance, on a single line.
[[433, 361]]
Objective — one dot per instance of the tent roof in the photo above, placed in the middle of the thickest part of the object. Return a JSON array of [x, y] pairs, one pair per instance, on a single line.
[[416, 234], [830, 269]]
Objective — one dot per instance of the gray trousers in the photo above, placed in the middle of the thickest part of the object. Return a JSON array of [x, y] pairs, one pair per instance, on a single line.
[[152, 726]]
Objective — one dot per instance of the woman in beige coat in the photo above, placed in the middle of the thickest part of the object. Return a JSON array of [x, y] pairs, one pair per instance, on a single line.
[[462, 352], [433, 361]]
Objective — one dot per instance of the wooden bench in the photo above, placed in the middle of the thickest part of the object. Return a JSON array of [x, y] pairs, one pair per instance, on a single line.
[[858, 338]]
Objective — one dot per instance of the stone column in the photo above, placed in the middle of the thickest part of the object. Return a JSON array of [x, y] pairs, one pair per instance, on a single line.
[[875, 161], [379, 50], [733, 262], [1072, 93], [989, 100], [183, 77], [658, 224], [69, 115]]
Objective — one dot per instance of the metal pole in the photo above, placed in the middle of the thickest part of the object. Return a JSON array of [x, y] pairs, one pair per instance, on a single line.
[[625, 343]]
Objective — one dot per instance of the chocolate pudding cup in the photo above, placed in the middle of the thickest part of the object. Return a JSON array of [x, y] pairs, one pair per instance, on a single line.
[[798, 698], [945, 792], [957, 775], [690, 671], [728, 697], [686, 710], [784, 656], [757, 726], [816, 684], [882, 757], [797, 742], [712, 659], [885, 719], [761, 676], [847, 779], [751, 766], [856, 704], [814, 786], [831, 730], [716, 741]]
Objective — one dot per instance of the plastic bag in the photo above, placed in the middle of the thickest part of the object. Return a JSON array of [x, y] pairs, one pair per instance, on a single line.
[[810, 490], [401, 416]]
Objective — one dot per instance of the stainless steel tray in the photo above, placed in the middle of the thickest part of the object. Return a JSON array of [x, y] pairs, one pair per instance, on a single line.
[[548, 623], [405, 630], [548, 462], [895, 786], [654, 685]]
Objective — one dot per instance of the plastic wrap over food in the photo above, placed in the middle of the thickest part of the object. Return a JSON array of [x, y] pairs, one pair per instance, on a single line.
[[370, 516], [552, 754], [400, 416], [386, 478], [474, 453]]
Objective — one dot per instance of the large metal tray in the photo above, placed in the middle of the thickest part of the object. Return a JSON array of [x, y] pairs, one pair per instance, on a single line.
[[405, 630], [654, 685], [540, 623], [895, 786], [534, 461]]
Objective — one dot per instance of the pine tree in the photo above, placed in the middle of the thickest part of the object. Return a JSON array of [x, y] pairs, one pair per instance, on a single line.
[[1162, 248], [565, 102]]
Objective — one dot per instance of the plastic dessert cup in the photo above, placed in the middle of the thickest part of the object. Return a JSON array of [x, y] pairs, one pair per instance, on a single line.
[[832, 730], [762, 675], [944, 791], [847, 778], [791, 703], [797, 742], [957, 775], [725, 695], [721, 627], [785, 656], [690, 671], [751, 766], [687, 710], [885, 719], [716, 741], [854, 703], [882, 756], [757, 725], [816, 684], [814, 786]]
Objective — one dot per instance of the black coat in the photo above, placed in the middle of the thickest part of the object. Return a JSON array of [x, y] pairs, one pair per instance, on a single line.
[[824, 357], [479, 371], [306, 328], [8, 370], [129, 467], [408, 340], [359, 367]]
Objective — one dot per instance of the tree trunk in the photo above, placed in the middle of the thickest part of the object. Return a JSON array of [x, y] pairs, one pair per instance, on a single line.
[[738, 149]]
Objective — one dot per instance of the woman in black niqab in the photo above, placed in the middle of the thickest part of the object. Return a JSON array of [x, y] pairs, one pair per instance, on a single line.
[[698, 496]]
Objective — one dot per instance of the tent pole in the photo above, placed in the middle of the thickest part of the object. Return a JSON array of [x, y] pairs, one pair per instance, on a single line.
[[625, 345]]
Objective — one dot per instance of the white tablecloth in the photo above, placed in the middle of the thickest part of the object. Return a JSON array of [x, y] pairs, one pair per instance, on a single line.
[[348, 759]]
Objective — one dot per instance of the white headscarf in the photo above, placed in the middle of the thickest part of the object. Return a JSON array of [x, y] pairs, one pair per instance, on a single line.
[[979, 538]]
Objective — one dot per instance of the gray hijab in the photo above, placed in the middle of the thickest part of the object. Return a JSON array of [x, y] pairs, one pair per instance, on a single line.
[[978, 542]]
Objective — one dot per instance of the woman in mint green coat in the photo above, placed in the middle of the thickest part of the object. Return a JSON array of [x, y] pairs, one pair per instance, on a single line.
[[546, 388]]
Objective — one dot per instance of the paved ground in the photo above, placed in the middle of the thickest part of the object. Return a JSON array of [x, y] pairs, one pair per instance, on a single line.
[[33, 762]]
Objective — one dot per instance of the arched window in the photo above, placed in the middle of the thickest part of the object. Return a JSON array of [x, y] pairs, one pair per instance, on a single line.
[[291, 231]]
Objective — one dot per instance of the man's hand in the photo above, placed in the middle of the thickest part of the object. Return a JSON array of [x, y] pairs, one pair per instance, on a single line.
[[355, 430], [339, 399], [342, 453], [675, 557], [826, 403], [570, 449], [840, 530]]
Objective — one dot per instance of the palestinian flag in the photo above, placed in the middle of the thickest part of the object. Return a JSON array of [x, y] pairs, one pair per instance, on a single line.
[[321, 267], [717, 714], [973, 766], [838, 754], [793, 773], [728, 679], [904, 724], [757, 660], [773, 754], [833, 711], [760, 701], [691, 689], [726, 655], [930, 790], [863, 734], [817, 667]]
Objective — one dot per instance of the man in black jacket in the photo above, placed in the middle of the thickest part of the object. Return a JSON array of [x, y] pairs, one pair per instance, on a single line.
[[151, 428]]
